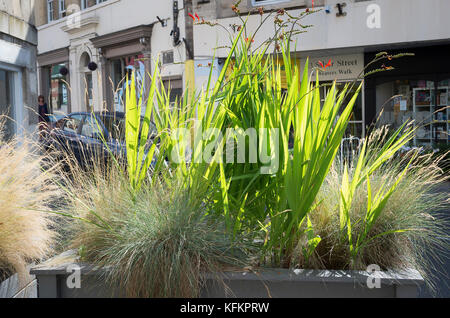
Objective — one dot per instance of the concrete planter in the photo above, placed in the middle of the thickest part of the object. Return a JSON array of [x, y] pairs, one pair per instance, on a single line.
[[52, 283], [11, 288]]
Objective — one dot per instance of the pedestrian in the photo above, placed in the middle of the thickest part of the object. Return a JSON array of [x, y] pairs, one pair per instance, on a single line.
[[44, 119]]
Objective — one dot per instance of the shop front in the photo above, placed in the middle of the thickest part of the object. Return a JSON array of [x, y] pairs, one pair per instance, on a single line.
[[345, 69], [54, 81], [418, 90], [123, 53]]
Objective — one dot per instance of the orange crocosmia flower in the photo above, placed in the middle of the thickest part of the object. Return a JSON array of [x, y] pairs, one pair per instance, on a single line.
[[324, 66], [193, 18], [196, 15]]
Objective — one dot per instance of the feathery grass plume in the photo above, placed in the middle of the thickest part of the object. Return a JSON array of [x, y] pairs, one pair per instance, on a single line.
[[407, 225], [26, 192], [155, 243]]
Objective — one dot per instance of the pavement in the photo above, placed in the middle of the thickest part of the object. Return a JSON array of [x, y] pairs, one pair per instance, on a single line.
[[442, 274]]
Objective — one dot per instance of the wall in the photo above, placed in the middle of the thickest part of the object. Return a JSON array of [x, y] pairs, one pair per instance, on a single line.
[[402, 21], [18, 40]]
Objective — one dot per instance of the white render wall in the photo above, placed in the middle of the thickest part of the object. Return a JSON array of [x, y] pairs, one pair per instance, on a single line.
[[113, 16], [402, 21]]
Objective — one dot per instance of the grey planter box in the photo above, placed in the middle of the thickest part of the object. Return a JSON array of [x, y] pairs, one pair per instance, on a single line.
[[52, 283], [11, 288]]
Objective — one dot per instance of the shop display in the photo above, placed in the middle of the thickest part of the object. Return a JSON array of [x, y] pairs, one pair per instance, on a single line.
[[431, 116]]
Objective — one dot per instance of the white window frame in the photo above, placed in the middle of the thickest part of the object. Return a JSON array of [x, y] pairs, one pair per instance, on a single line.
[[50, 11], [62, 8], [85, 4]]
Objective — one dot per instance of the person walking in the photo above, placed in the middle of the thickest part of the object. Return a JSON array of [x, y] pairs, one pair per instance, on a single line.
[[44, 118]]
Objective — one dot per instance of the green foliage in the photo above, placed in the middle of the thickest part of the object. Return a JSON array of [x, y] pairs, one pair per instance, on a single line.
[[390, 218], [136, 134], [156, 243], [161, 230]]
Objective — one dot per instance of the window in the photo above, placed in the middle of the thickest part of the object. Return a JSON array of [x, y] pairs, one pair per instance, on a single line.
[[58, 96], [120, 68], [50, 11], [422, 100], [404, 100], [91, 128], [62, 8], [89, 3], [115, 126], [168, 57], [73, 124], [176, 89], [356, 124], [6, 103], [256, 3]]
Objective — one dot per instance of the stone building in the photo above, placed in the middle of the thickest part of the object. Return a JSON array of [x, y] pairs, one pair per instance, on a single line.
[[18, 77], [349, 33], [87, 47]]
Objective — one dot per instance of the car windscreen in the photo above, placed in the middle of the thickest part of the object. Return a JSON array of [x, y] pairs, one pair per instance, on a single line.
[[116, 127]]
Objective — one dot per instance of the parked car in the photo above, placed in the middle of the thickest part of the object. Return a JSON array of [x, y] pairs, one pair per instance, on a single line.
[[53, 118], [92, 136]]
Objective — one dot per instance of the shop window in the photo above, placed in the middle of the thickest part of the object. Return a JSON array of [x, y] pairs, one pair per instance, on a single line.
[[89, 91], [121, 70], [423, 101], [441, 117], [356, 124], [58, 98], [6, 104]]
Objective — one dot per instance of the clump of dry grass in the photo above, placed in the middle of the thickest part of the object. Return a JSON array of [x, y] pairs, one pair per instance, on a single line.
[[413, 207], [25, 193]]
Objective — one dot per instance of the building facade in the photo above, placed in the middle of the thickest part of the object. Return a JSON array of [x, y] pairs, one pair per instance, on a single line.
[[349, 33], [18, 77], [87, 47]]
